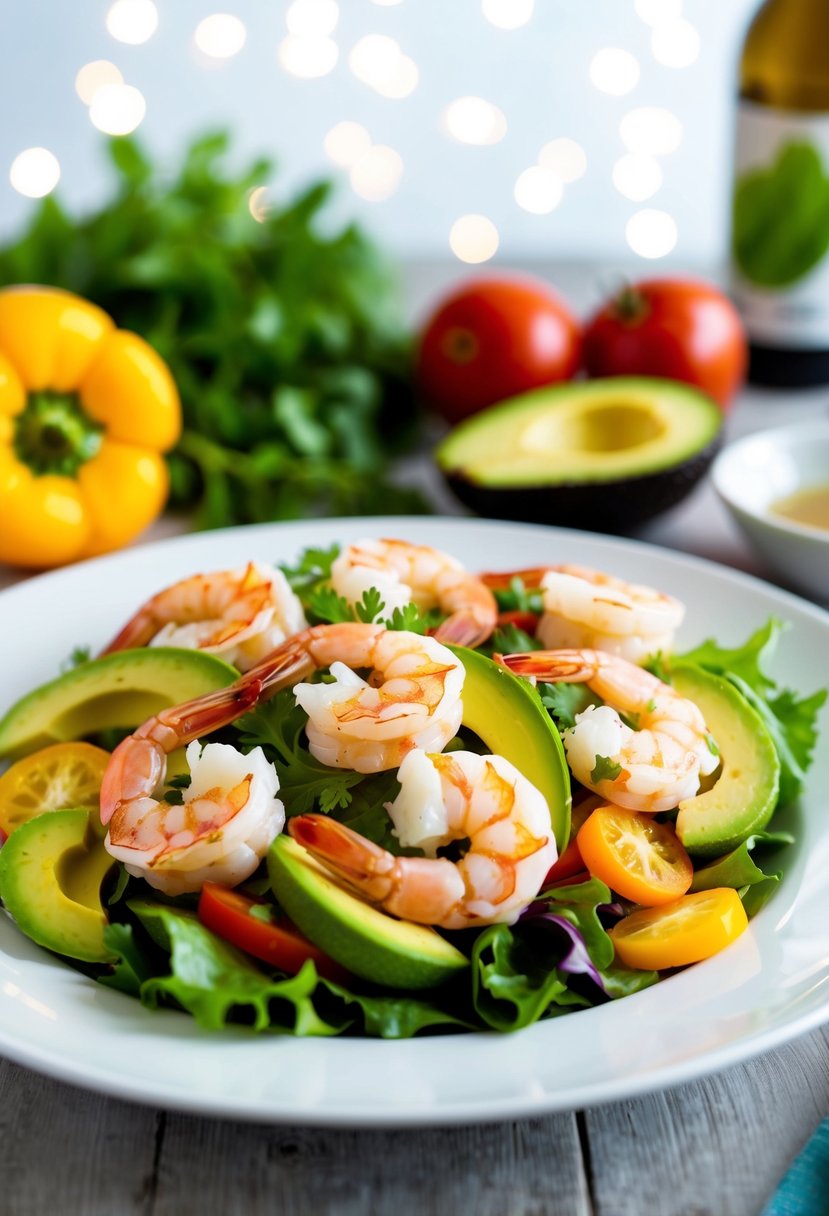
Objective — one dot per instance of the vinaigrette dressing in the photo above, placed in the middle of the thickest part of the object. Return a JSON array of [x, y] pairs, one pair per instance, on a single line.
[[810, 506]]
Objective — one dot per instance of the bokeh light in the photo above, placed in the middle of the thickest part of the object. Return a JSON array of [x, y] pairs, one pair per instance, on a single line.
[[473, 238], [614, 71], [308, 58], [637, 176], [35, 172], [403, 80], [312, 18], [377, 173], [651, 233], [651, 130], [508, 14], [346, 142], [538, 190], [94, 76], [259, 204], [132, 21], [565, 157], [220, 36], [117, 109], [658, 12], [675, 45], [472, 120]]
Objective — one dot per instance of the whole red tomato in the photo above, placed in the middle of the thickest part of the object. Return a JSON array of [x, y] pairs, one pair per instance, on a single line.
[[492, 338], [677, 328]]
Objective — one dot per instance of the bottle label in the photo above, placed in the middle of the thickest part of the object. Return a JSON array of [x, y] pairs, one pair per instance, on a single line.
[[780, 226]]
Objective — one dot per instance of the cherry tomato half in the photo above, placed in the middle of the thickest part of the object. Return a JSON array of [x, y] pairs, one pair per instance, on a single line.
[[638, 858], [679, 329], [569, 861], [246, 923], [493, 338], [686, 931], [58, 777]]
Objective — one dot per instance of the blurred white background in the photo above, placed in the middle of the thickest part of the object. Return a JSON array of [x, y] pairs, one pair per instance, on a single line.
[[596, 129]]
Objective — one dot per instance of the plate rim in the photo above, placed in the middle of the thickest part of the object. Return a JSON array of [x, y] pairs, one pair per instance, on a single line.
[[74, 1071]]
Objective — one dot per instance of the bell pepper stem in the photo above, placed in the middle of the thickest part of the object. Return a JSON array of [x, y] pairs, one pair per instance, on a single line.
[[53, 434]]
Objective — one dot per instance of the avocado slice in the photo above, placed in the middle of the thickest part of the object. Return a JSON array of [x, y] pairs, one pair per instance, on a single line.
[[507, 715], [119, 690], [744, 795], [51, 870], [364, 940], [600, 454]]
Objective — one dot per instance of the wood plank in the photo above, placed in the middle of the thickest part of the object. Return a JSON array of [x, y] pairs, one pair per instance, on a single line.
[[528, 1168], [717, 1147], [70, 1151]]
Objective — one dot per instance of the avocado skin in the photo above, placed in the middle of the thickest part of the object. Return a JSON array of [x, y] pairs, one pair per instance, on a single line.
[[51, 870], [616, 507]]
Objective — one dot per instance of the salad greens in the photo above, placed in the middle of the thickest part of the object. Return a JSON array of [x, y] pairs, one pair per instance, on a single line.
[[285, 341], [557, 957]]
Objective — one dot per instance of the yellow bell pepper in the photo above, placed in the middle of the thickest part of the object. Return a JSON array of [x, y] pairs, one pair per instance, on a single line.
[[86, 411]]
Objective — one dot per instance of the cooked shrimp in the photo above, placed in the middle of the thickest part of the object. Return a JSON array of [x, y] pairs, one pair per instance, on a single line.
[[238, 614], [412, 699], [651, 768], [482, 800], [405, 573], [588, 609], [228, 818]]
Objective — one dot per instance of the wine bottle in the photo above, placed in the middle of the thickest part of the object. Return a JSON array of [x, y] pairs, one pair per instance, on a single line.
[[780, 221]]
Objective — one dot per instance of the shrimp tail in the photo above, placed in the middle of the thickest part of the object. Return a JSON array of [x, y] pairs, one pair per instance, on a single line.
[[136, 633], [462, 629], [356, 861], [565, 666]]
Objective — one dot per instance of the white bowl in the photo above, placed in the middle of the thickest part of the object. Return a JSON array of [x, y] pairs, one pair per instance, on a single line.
[[752, 474]]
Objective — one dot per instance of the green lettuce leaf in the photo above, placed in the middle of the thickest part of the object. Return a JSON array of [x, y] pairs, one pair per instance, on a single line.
[[790, 718], [738, 868]]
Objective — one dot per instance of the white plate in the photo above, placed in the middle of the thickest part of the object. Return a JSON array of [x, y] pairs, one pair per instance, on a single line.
[[772, 984]]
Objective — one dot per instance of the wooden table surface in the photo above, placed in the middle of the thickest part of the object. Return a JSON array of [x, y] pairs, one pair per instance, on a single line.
[[716, 1147]]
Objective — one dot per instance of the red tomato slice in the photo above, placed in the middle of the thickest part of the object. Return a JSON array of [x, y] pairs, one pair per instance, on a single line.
[[526, 621], [230, 915]]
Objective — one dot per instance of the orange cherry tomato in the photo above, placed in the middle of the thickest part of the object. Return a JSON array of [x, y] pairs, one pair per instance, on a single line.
[[688, 930], [640, 859], [58, 777], [251, 925]]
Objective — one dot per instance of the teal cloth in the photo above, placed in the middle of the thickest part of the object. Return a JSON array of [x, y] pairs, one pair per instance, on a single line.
[[805, 1189]]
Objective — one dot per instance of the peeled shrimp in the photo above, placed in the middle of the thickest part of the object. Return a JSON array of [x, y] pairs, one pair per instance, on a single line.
[[238, 614], [482, 800], [404, 573], [588, 609], [412, 699], [228, 818], [650, 768]]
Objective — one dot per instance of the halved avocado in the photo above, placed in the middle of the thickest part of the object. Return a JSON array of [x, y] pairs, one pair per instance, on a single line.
[[119, 690], [602, 454], [507, 715], [51, 870], [744, 794], [357, 935]]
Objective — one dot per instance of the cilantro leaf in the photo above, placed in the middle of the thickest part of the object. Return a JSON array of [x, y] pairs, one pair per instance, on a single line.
[[311, 567], [605, 770], [370, 606], [305, 784], [326, 607], [564, 701], [411, 619], [516, 598]]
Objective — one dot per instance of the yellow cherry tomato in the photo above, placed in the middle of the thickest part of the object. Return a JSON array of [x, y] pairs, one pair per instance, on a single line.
[[688, 930], [86, 411], [640, 859], [62, 776]]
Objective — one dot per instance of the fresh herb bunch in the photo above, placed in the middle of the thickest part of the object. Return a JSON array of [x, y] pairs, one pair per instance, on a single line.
[[285, 342]]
